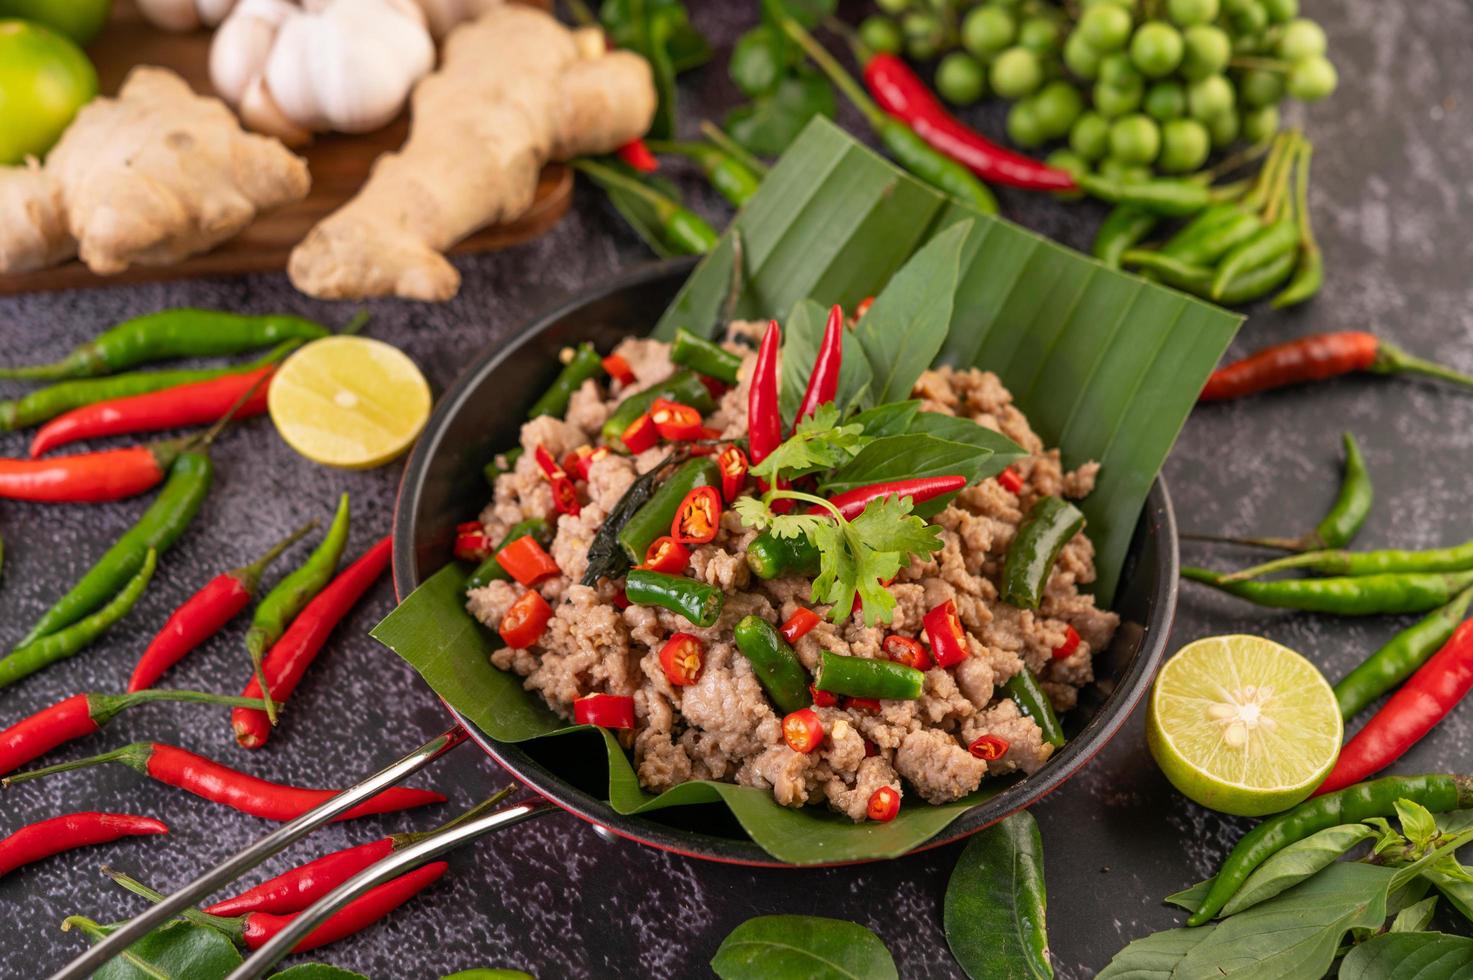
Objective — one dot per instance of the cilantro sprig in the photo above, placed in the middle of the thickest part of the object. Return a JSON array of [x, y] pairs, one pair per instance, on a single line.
[[819, 443]]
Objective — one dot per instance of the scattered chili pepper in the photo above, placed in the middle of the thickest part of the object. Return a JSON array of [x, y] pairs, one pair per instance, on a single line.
[[618, 368], [731, 176], [884, 805], [1309, 274], [526, 561], [564, 494], [733, 465], [764, 417], [1343, 521], [908, 651], [111, 474], [799, 625], [803, 731], [861, 677], [823, 382], [637, 154], [1169, 197], [604, 710], [676, 422], [1257, 282], [682, 386], [218, 783], [698, 518], [1071, 643], [582, 364], [666, 555], [291, 655], [699, 602], [682, 658], [988, 748], [1365, 595], [851, 503], [770, 556], [822, 699], [654, 518], [83, 714], [680, 229], [46, 650], [948, 640], [704, 356], [1031, 700], [1011, 481], [1051, 523], [776, 665], [640, 435], [69, 832], [1340, 562], [1123, 228], [867, 705], [1212, 234], [490, 570], [471, 542], [1269, 244], [1377, 798], [524, 622], [606, 555], [1315, 358], [1400, 657]]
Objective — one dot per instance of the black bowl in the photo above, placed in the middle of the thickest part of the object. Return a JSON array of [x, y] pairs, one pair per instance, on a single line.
[[482, 413]]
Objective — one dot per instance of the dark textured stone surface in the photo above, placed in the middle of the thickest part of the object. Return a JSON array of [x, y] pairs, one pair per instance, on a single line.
[[1392, 202]]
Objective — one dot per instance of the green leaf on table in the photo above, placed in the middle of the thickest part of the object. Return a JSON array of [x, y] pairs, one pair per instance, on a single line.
[[316, 971], [802, 332], [177, 951], [995, 902], [661, 32], [1415, 917], [1410, 956], [489, 973], [769, 124], [802, 947]]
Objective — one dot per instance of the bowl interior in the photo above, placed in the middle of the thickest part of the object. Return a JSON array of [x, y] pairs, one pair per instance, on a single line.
[[482, 414]]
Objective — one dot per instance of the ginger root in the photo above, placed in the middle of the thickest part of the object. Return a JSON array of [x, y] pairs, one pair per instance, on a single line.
[[150, 177], [512, 92]]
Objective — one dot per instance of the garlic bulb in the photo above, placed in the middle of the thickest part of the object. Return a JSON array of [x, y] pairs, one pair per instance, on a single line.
[[185, 15], [340, 65]]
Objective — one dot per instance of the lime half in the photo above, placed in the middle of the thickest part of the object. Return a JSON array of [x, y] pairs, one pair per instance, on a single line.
[[1243, 725]]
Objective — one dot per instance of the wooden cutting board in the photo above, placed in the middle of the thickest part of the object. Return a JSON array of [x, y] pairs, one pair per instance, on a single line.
[[339, 165]]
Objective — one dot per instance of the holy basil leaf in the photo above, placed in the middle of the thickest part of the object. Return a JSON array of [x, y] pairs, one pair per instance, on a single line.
[[1415, 917], [890, 419], [905, 328], [995, 902], [760, 59], [1410, 956], [316, 971], [770, 123], [789, 947], [914, 456], [177, 951], [1459, 893], [1417, 822], [802, 332], [1455, 821]]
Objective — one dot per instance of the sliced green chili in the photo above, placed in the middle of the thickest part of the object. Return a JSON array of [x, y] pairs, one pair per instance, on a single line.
[[699, 602], [1400, 657], [776, 665], [860, 677], [683, 386], [1050, 524], [658, 513], [584, 364], [1365, 595], [769, 556], [705, 356], [1123, 228], [490, 570], [1031, 700]]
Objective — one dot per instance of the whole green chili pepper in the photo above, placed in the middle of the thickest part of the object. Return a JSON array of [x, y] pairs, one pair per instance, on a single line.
[[1400, 657], [1364, 595], [680, 229], [769, 556], [698, 602], [172, 334], [1309, 274], [1375, 798], [1194, 279], [584, 364], [731, 177], [31, 657], [776, 665], [508, 462], [160, 526], [49, 402], [683, 386], [705, 356], [287, 598], [1352, 505], [1050, 525], [1263, 247], [1169, 197], [1031, 700], [1206, 244], [1257, 283], [861, 677], [1123, 228], [490, 570], [1458, 558], [658, 513]]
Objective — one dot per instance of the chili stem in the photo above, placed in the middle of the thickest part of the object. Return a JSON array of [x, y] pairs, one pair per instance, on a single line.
[[414, 837], [194, 915], [1278, 194], [1273, 544], [116, 755], [1241, 158], [1391, 359], [664, 206]]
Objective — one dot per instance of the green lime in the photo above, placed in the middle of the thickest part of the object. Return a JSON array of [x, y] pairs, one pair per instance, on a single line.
[[1185, 144], [1311, 79], [1259, 125], [1257, 87], [1135, 139], [1022, 125], [881, 34], [988, 30], [44, 80], [1242, 725], [1056, 106], [1210, 97], [1301, 39], [1105, 26], [1185, 13], [1156, 49], [1165, 100], [1111, 101], [80, 20], [1016, 73], [1081, 58], [1090, 136], [960, 79], [1205, 51]]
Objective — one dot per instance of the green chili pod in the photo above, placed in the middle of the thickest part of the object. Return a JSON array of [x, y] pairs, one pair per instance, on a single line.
[[776, 665], [1353, 504], [1207, 222], [1050, 525], [584, 364], [1123, 228], [1195, 279], [160, 526], [1257, 283], [861, 677], [698, 602], [731, 177], [490, 570], [1260, 249], [1457, 558], [658, 513], [1031, 700], [683, 386], [704, 356], [1166, 196], [493, 469], [940, 171], [1399, 658], [769, 556], [687, 233], [1216, 239], [1364, 595], [1309, 276]]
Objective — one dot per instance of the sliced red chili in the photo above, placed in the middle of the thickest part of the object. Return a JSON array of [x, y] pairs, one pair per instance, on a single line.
[[471, 542], [565, 496], [904, 650], [884, 805], [570, 459], [863, 307], [682, 659], [862, 704], [547, 464], [989, 748], [1071, 642], [698, 517], [640, 435], [581, 460], [527, 561], [619, 369], [870, 749], [733, 465], [524, 622], [620, 600], [715, 386], [823, 699], [676, 422], [799, 625], [803, 730], [604, 710], [667, 555], [948, 640], [1010, 480]]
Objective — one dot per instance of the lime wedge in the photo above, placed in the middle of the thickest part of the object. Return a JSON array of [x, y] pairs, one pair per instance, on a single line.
[[351, 402], [1243, 725]]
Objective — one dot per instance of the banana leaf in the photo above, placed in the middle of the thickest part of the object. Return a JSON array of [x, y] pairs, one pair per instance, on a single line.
[[1106, 366]]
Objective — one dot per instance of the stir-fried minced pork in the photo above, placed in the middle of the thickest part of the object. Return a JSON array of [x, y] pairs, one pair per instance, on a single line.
[[724, 726]]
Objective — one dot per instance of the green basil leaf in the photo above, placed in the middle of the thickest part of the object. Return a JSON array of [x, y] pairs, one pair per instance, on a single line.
[[995, 901], [1459, 893], [177, 951], [802, 333], [1455, 821], [890, 419], [809, 13], [769, 124], [1415, 917], [790, 947], [1283, 870], [316, 971], [760, 60], [1410, 956], [913, 456], [1417, 823]]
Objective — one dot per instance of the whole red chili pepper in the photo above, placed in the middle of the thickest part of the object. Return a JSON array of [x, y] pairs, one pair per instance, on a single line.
[[1410, 713], [112, 474], [764, 417], [638, 156], [823, 383], [69, 832], [172, 408], [851, 503], [218, 783], [902, 94], [291, 655], [203, 614], [1315, 358]]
